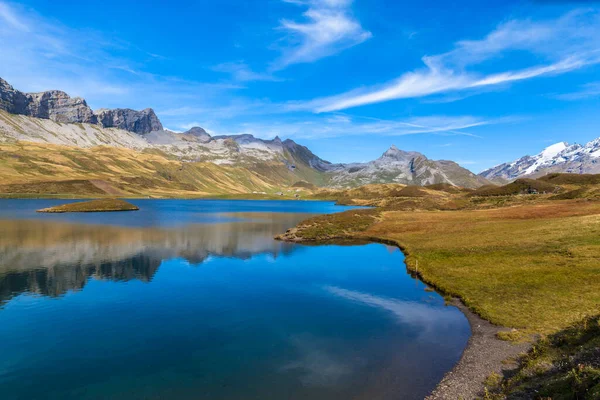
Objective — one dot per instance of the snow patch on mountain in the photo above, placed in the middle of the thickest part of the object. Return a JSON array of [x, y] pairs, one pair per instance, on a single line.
[[547, 156], [560, 157]]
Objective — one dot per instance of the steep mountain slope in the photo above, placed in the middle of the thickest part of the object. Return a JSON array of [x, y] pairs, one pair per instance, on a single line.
[[410, 168], [560, 157]]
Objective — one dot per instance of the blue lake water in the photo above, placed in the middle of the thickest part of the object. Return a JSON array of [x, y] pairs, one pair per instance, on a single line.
[[193, 299]]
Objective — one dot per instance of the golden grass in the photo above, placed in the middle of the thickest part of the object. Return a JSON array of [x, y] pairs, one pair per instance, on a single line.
[[100, 205], [35, 169]]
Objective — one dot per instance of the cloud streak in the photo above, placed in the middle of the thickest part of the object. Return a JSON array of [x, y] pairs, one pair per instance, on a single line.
[[328, 28], [332, 126], [589, 90], [566, 44]]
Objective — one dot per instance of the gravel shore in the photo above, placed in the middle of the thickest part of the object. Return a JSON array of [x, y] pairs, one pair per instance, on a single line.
[[485, 354]]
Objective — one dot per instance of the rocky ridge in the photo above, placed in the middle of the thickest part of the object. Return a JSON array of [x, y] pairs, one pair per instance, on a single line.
[[59, 107]]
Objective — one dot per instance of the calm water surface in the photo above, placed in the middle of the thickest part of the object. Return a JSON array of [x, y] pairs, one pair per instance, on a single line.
[[195, 300]]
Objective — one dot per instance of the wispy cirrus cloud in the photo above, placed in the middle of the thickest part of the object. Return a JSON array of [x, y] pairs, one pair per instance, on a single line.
[[342, 125], [565, 44], [40, 54], [327, 29], [586, 91], [8, 15]]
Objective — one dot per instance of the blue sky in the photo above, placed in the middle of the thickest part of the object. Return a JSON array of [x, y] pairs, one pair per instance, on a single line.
[[476, 82]]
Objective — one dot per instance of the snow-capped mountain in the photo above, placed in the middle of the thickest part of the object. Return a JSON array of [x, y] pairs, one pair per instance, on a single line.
[[560, 157]]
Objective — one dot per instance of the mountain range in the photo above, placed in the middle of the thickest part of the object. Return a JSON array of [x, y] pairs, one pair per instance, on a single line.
[[559, 157], [53, 118]]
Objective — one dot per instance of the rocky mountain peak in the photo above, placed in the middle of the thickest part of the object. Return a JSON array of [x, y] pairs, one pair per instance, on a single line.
[[53, 104], [396, 154], [199, 133], [58, 106], [140, 122], [12, 100]]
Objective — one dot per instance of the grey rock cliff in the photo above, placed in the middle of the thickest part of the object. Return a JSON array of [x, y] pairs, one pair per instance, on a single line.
[[12, 100], [141, 122], [58, 106], [53, 104]]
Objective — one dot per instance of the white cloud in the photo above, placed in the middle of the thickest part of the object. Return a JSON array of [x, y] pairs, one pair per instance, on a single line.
[[241, 72], [329, 27], [566, 44]]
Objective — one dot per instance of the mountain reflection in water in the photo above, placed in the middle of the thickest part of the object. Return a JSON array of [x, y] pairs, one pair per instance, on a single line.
[[195, 300], [50, 258]]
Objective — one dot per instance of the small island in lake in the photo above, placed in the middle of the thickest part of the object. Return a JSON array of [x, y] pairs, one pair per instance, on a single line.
[[103, 205]]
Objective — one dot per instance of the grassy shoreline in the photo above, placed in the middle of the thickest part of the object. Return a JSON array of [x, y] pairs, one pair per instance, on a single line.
[[520, 267], [532, 267]]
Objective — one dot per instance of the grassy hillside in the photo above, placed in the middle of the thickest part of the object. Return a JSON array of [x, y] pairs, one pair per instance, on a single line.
[[520, 186], [32, 169]]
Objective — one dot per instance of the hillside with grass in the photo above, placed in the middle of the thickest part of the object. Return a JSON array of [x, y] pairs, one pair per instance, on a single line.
[[34, 170]]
